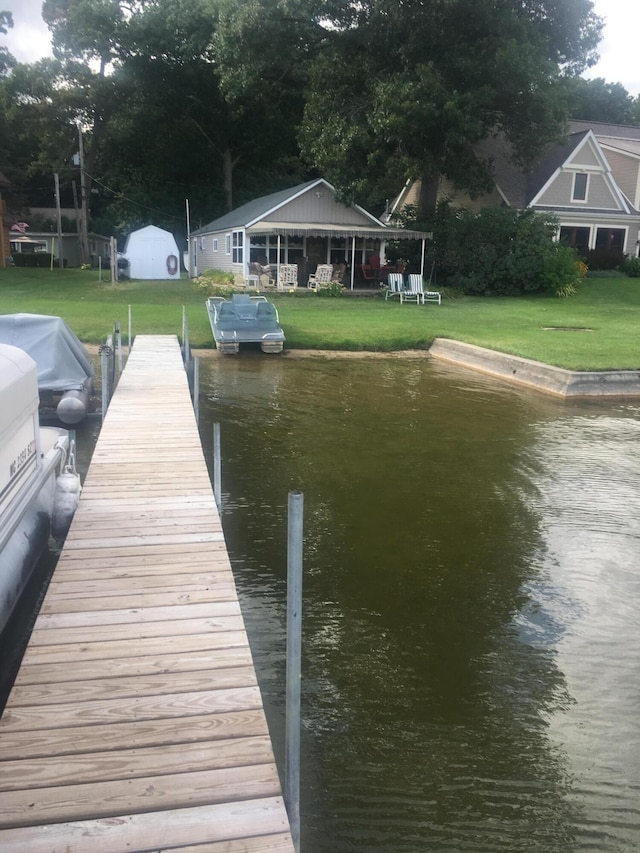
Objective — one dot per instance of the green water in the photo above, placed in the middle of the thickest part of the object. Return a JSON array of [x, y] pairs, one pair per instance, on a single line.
[[470, 662]]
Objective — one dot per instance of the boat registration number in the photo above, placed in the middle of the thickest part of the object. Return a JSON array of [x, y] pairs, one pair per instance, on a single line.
[[22, 458]]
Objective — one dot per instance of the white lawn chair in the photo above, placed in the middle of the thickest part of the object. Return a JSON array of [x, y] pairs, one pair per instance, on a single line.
[[416, 290], [287, 276], [322, 275], [395, 285]]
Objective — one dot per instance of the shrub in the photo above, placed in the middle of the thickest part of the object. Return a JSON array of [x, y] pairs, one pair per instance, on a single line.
[[564, 271], [603, 258], [502, 251], [330, 288], [214, 283], [631, 267], [41, 260]]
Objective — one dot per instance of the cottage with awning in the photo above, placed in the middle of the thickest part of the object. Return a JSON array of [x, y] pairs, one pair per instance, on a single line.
[[305, 225]]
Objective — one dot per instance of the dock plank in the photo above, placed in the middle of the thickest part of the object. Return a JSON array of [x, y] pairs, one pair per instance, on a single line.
[[136, 721], [168, 733], [148, 831], [96, 689], [134, 665]]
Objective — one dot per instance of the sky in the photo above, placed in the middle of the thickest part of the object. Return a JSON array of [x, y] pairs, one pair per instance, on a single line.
[[619, 63]]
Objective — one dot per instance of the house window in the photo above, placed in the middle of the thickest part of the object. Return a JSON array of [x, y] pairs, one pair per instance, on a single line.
[[202, 243], [580, 180], [215, 244], [611, 239], [227, 244], [576, 237], [237, 247]]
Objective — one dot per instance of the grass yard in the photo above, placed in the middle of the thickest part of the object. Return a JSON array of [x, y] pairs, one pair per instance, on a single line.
[[595, 330]]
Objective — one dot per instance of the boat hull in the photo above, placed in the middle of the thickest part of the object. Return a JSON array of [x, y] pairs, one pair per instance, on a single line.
[[32, 460], [24, 548]]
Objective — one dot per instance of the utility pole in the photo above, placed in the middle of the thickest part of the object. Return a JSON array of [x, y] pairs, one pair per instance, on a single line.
[[59, 218], [84, 210]]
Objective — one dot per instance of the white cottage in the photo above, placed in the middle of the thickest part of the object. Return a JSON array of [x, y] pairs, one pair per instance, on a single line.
[[152, 254], [302, 226]]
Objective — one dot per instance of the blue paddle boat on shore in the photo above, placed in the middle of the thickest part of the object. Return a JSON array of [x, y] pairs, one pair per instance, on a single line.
[[245, 319]]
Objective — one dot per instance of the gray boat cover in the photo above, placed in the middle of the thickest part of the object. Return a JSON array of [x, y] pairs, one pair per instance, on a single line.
[[63, 363]]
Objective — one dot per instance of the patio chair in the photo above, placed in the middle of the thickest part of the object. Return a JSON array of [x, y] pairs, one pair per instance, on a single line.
[[368, 273], [287, 276], [262, 273], [416, 285], [322, 275], [395, 285]]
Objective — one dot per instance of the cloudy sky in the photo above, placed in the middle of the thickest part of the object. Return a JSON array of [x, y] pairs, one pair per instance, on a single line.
[[29, 39]]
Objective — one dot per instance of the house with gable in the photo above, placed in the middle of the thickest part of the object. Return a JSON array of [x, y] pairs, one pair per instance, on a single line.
[[591, 183], [305, 225]]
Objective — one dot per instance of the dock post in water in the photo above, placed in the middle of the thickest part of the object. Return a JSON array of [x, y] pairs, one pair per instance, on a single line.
[[105, 352], [196, 388], [294, 663], [217, 466]]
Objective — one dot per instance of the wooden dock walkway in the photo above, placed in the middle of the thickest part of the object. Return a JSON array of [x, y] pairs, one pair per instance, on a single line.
[[136, 721]]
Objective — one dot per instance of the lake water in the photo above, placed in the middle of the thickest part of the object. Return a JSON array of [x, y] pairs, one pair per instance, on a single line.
[[471, 651]]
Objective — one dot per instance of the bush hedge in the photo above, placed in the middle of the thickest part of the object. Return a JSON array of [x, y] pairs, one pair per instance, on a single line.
[[500, 251], [42, 260]]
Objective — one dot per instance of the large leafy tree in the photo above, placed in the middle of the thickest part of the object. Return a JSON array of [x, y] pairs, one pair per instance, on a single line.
[[407, 89], [598, 100], [140, 80], [394, 90]]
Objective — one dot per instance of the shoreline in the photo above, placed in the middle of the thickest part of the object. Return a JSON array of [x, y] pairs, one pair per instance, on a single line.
[[515, 370], [525, 372]]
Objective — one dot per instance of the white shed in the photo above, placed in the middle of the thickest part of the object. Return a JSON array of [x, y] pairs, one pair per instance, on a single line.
[[152, 254]]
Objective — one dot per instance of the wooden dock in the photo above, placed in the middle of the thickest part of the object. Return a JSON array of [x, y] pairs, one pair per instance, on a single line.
[[136, 721]]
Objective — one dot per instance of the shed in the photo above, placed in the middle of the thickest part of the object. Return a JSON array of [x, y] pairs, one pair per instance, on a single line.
[[152, 254]]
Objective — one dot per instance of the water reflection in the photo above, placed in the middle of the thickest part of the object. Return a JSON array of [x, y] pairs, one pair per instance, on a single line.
[[437, 685], [584, 608]]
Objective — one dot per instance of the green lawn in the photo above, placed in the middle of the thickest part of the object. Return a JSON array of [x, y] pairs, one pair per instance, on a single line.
[[543, 328]]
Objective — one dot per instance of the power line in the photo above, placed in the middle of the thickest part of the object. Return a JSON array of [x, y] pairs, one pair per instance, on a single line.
[[121, 195]]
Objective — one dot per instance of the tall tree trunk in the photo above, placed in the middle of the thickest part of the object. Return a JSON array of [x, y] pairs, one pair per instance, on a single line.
[[227, 177], [428, 197]]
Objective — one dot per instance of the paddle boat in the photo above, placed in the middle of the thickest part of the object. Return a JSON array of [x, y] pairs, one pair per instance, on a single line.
[[244, 319], [39, 487]]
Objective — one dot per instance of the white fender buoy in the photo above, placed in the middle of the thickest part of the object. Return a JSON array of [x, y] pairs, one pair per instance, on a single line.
[[65, 502], [73, 406]]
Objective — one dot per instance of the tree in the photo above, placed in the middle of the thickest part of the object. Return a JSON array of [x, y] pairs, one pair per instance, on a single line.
[[597, 100], [159, 126], [7, 61], [407, 89]]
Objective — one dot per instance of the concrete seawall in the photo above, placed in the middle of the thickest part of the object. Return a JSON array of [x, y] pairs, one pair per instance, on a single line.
[[536, 374]]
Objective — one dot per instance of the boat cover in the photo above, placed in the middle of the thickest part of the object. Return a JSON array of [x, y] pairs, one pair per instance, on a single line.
[[63, 362]]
